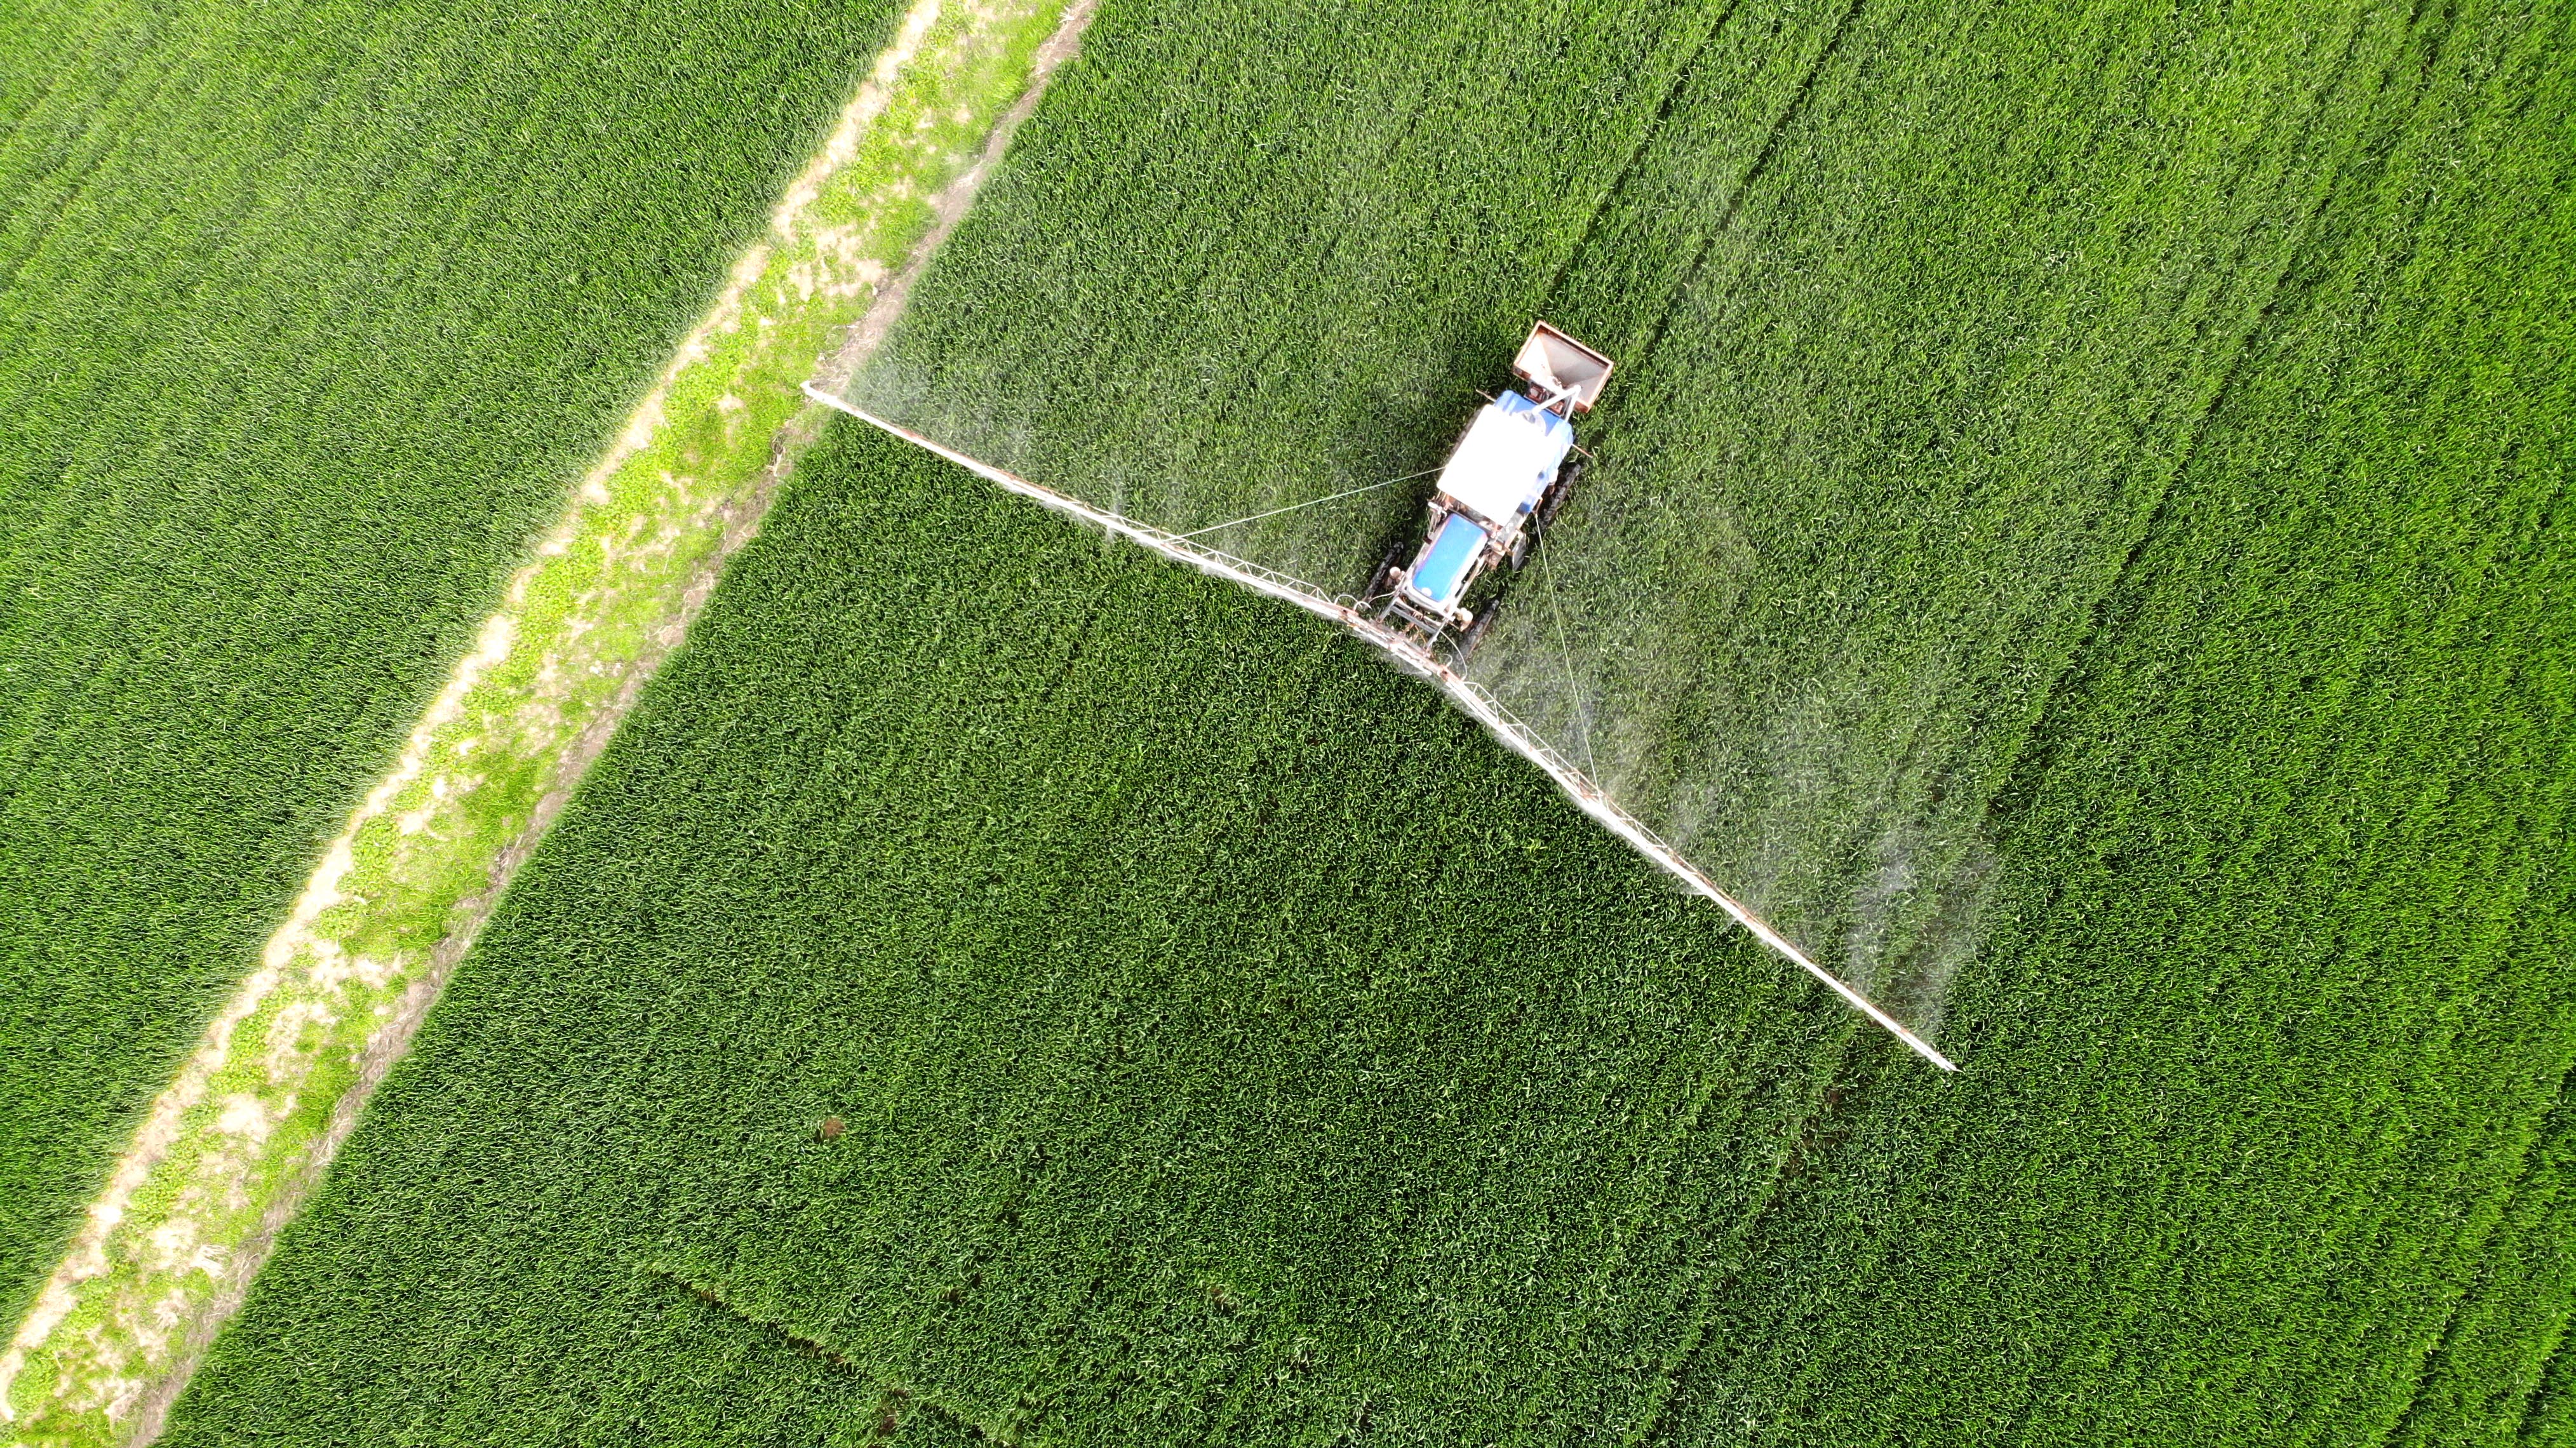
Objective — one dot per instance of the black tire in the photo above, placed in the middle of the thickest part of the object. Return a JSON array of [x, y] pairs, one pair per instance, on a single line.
[[1548, 503], [1475, 633], [1382, 582]]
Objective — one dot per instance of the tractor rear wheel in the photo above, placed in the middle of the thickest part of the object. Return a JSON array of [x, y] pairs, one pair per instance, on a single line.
[[1554, 497], [1475, 632]]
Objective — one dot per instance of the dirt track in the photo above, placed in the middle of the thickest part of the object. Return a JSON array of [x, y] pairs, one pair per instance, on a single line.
[[235, 1144]]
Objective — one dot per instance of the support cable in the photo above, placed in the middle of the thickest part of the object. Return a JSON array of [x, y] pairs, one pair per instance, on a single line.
[[1309, 503], [1565, 656]]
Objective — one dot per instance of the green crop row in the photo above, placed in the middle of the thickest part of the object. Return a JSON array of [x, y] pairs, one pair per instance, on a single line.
[[1075, 992], [2079, 526], [309, 313], [2263, 1138]]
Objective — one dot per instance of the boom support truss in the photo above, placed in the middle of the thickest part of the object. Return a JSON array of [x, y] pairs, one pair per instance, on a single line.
[[1416, 659]]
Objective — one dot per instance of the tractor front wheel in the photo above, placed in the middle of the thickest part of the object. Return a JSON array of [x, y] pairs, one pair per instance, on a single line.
[[1382, 582]]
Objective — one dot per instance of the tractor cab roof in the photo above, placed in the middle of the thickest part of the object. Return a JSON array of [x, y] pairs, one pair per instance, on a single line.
[[1506, 461]]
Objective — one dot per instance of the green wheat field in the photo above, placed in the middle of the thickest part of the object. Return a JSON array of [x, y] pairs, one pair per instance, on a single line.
[[2079, 537]]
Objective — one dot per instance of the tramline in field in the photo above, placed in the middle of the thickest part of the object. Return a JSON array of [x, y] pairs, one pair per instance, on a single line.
[[1502, 484]]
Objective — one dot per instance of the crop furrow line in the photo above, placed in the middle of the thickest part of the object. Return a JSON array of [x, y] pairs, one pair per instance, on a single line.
[[1725, 222], [1813, 1139], [2027, 766], [894, 1398], [1630, 164], [2531, 1178]]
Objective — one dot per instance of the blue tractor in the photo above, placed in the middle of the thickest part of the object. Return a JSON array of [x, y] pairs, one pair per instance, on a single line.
[[1503, 482]]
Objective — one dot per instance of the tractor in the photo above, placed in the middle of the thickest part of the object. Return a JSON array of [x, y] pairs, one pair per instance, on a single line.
[[1503, 482]]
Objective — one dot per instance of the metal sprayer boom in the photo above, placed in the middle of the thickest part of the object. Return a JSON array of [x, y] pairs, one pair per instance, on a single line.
[[1415, 659]]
